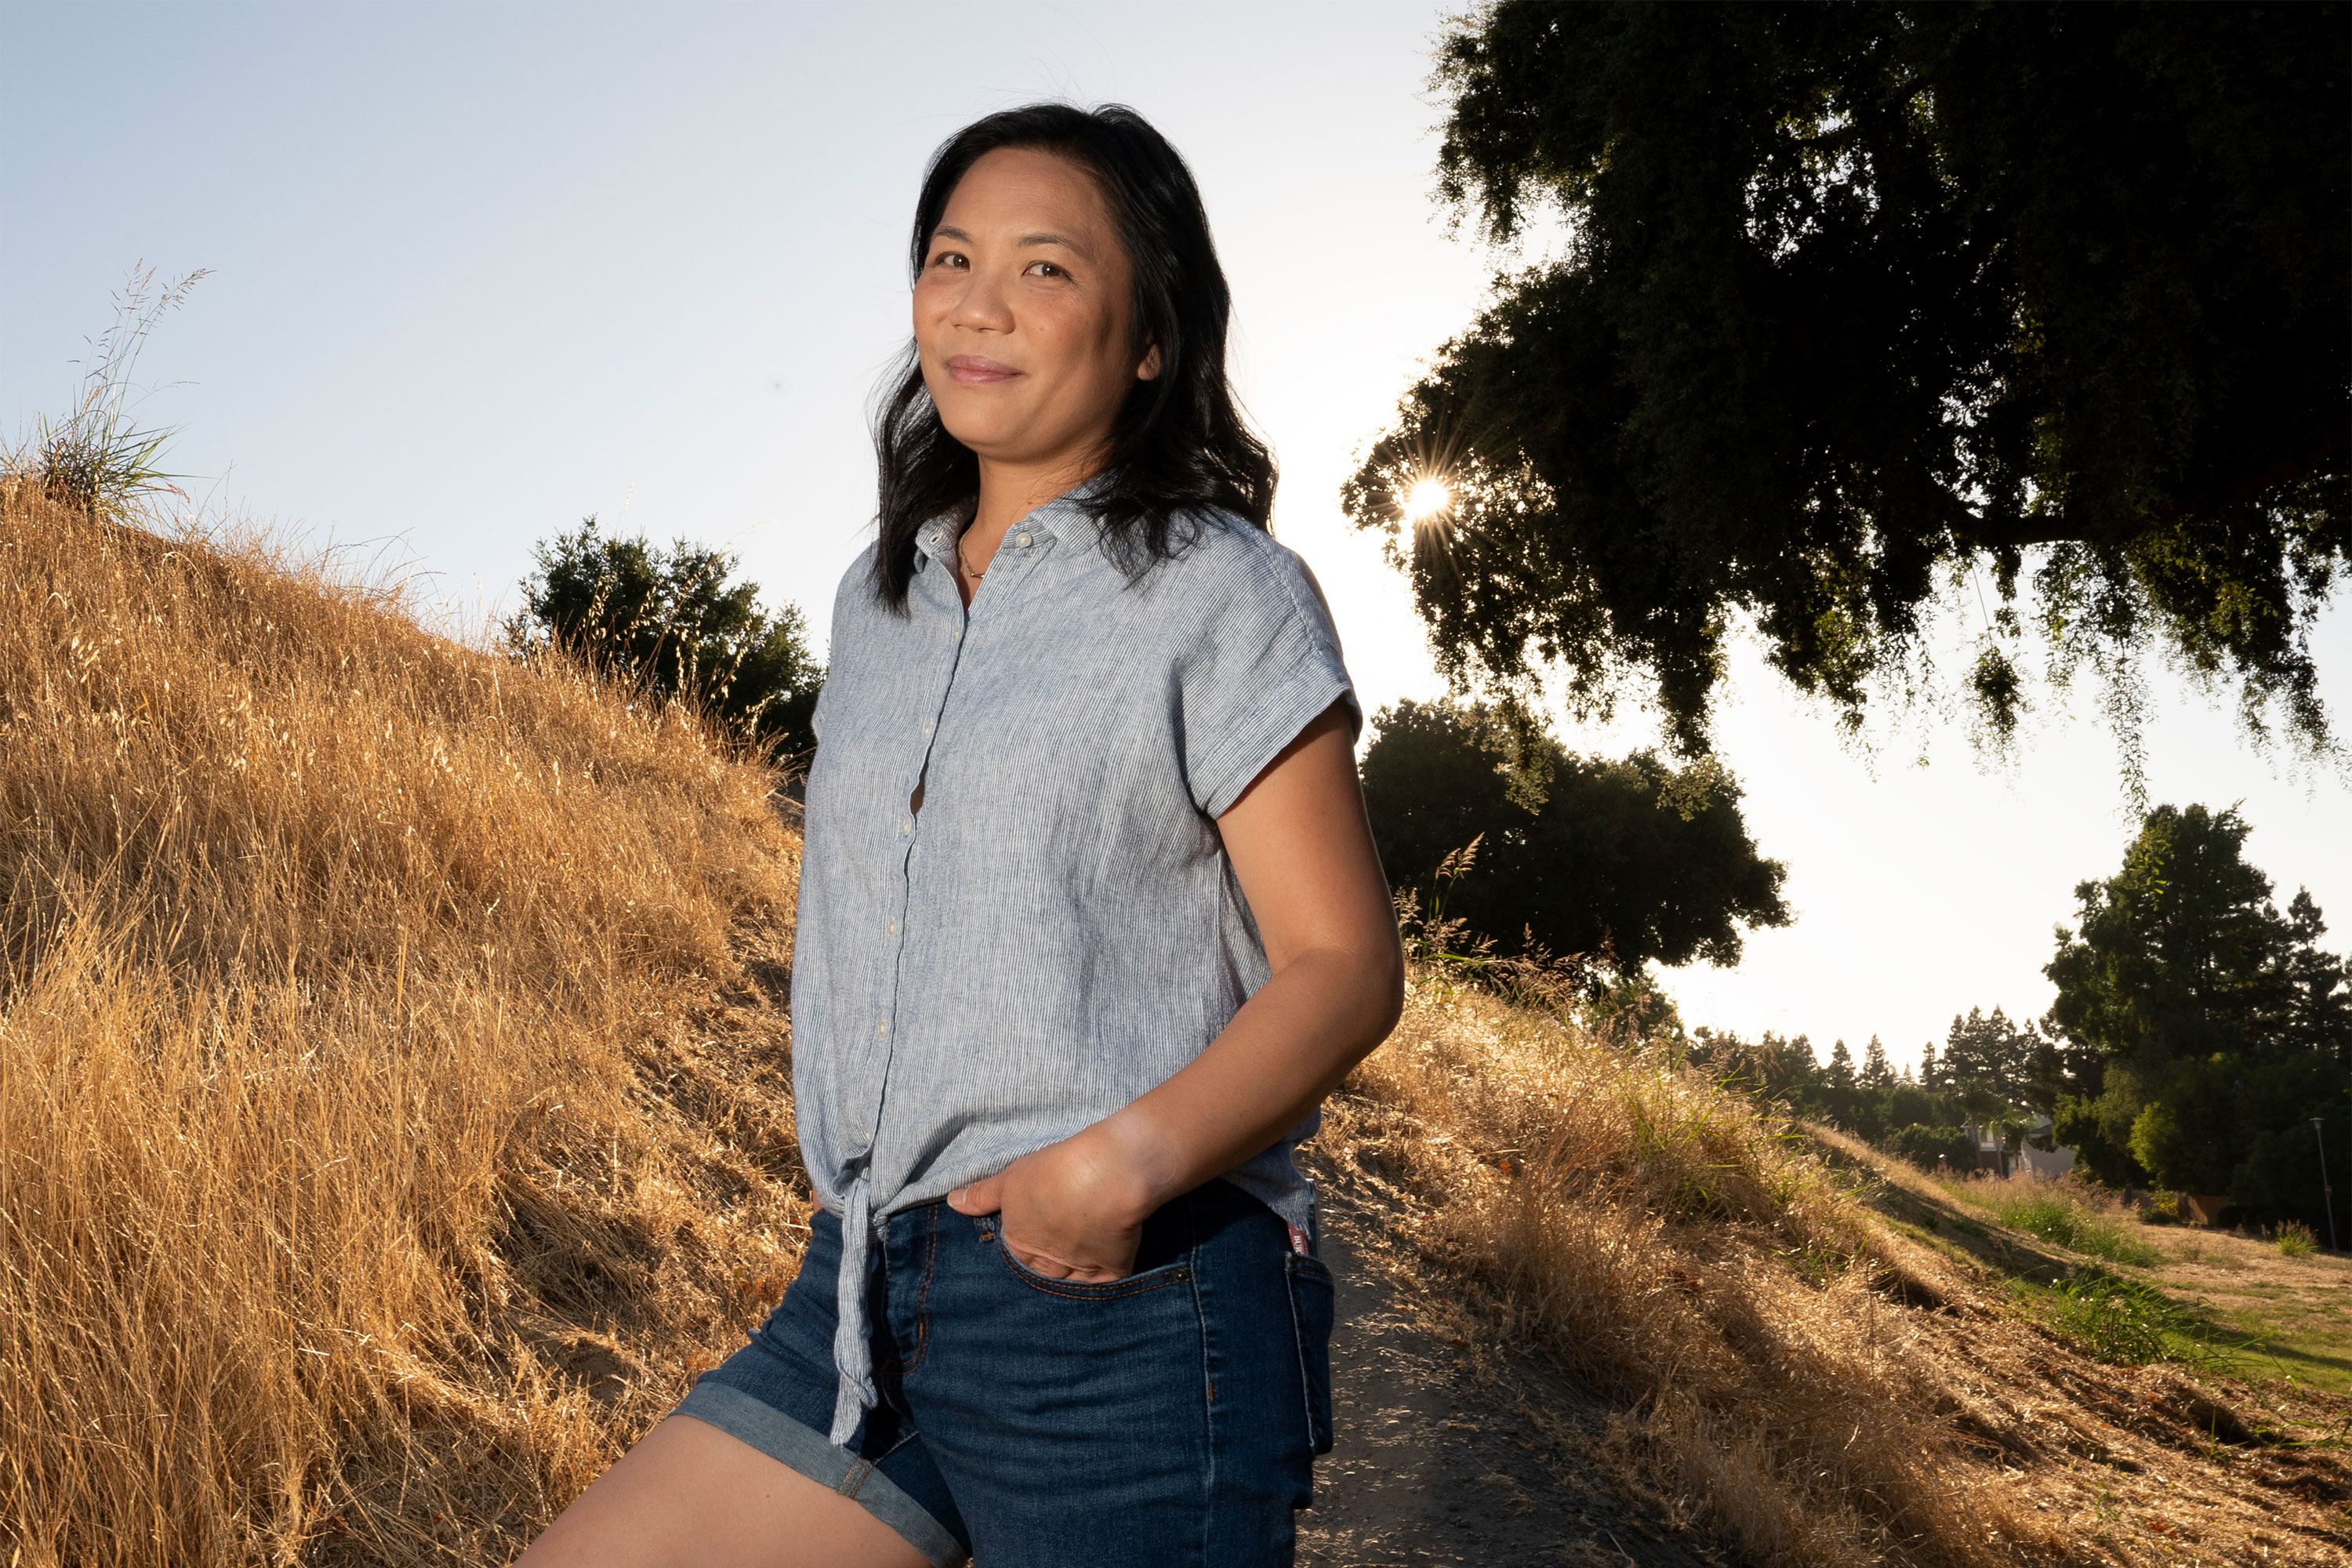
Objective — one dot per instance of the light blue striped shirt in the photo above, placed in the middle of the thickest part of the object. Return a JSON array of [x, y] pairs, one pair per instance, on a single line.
[[1016, 916]]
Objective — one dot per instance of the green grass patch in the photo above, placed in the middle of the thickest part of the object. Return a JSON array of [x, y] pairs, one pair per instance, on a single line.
[[2123, 1322], [2071, 1226], [2295, 1240]]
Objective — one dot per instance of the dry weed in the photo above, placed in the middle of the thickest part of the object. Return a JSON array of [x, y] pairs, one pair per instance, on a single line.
[[380, 1146], [1813, 1386], [393, 1115]]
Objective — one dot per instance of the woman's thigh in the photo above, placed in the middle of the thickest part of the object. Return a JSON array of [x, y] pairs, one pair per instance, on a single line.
[[1162, 1418], [691, 1496]]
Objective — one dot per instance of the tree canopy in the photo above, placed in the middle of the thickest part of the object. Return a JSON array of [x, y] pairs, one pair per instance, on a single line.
[[672, 620], [1867, 308], [1575, 854], [2213, 1026]]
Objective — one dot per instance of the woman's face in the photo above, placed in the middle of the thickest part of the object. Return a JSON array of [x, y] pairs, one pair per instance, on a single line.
[[1024, 313]]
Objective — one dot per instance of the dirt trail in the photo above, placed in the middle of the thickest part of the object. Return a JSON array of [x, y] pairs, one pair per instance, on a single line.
[[1436, 1457]]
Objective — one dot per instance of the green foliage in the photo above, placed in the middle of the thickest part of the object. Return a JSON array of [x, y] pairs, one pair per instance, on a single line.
[[1997, 1064], [99, 459], [2123, 1322], [671, 621], [2182, 952], [1894, 1112], [2086, 1124], [1862, 303], [2217, 1026], [2281, 1172], [1926, 1147], [2045, 1210], [2294, 1240], [1575, 854]]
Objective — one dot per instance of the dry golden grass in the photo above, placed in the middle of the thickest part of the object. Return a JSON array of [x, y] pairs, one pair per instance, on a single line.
[[389, 1114], [394, 1114], [1798, 1376]]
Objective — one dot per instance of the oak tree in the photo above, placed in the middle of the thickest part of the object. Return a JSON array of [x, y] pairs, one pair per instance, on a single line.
[[673, 621], [2043, 311], [1575, 855]]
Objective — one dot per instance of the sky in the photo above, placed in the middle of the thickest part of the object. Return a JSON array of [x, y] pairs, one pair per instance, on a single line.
[[478, 271]]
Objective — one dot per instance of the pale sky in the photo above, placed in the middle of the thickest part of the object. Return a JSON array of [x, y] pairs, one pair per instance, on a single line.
[[478, 271]]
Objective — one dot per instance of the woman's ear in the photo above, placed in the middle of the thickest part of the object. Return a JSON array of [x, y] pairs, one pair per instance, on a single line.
[[1149, 369]]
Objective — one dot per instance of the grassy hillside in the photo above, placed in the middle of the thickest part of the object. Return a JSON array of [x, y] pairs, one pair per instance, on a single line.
[[392, 1110], [1805, 1370], [392, 1084]]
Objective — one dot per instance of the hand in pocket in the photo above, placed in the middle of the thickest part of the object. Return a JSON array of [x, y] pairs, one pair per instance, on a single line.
[[1069, 1211]]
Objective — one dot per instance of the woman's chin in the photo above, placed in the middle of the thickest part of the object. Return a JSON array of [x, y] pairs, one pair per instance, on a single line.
[[1001, 440]]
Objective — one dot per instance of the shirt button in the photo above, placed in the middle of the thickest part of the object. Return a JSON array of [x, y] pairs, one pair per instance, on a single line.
[[883, 1027], [926, 728], [907, 828], [894, 928], [1022, 539]]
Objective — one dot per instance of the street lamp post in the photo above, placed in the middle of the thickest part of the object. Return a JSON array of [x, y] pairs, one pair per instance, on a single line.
[[2327, 1188]]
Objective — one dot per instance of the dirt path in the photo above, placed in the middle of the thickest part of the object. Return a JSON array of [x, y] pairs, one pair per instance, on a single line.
[[1433, 1463]]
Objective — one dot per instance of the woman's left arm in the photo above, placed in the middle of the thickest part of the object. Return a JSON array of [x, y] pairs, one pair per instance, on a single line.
[[1300, 845]]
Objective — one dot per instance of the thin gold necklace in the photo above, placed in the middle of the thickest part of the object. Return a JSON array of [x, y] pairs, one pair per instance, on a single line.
[[975, 576]]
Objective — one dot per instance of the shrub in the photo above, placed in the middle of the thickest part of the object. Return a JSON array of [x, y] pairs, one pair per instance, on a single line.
[[670, 621], [98, 461], [2281, 1178], [1924, 1146], [2295, 1240]]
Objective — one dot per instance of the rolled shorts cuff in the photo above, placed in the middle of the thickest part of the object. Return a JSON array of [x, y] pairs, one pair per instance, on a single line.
[[807, 1451]]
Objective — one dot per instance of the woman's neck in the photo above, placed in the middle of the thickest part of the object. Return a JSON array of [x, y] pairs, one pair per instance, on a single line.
[[1011, 492]]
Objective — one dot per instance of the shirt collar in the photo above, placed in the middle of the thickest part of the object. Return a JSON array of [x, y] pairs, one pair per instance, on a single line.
[[1064, 518]]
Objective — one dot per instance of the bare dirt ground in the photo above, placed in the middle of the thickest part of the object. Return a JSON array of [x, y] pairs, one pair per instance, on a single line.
[[1443, 1454]]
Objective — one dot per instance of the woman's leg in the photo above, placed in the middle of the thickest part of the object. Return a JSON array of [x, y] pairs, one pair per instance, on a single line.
[[690, 1496]]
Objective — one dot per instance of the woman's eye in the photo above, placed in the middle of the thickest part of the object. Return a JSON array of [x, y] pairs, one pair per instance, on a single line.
[[947, 259], [1047, 270]]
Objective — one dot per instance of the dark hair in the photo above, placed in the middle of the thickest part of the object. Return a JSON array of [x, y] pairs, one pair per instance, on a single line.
[[1180, 442]]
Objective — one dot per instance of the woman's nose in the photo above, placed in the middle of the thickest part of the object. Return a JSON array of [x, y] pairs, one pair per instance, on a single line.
[[982, 306]]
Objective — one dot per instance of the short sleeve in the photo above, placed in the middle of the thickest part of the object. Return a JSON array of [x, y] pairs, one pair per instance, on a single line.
[[1265, 664]]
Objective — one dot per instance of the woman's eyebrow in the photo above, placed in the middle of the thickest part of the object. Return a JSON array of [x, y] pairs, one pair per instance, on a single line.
[[1063, 240], [1025, 241]]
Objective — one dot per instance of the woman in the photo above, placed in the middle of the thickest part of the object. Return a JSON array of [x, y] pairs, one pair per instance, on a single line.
[[1090, 922]]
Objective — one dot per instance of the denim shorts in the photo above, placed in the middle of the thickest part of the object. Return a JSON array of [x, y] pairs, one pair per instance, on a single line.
[[1168, 1417]]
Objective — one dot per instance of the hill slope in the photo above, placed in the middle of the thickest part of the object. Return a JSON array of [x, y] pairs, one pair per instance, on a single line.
[[393, 1071], [392, 1108]]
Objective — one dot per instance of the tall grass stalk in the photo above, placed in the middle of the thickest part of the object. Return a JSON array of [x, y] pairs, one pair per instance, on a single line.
[[98, 459]]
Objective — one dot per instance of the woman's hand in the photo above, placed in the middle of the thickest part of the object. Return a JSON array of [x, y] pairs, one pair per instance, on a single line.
[[1073, 1210]]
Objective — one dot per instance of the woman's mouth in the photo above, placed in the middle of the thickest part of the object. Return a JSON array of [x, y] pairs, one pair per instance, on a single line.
[[972, 369]]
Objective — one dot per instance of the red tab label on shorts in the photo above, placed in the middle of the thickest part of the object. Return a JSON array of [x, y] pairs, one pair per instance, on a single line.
[[1300, 1244]]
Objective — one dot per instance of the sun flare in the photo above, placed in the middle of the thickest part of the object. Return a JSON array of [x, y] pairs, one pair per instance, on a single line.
[[1426, 499]]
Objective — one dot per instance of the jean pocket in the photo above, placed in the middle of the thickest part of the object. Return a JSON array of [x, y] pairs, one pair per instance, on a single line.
[[1176, 1273], [1311, 1308]]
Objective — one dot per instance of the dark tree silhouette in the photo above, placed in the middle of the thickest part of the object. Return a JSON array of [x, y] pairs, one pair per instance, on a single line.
[[671, 620], [2213, 1026], [1577, 854], [1862, 304]]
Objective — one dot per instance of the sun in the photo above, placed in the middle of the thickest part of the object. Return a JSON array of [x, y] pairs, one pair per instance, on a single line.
[[1426, 499]]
